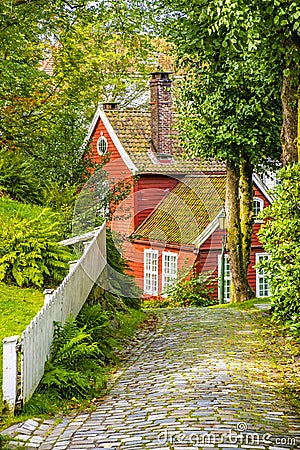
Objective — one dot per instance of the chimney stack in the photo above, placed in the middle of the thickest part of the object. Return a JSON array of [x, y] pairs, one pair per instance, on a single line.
[[110, 106], [161, 113]]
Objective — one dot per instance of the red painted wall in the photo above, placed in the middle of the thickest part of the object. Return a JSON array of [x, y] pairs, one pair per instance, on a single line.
[[145, 195], [206, 260], [135, 251], [150, 191]]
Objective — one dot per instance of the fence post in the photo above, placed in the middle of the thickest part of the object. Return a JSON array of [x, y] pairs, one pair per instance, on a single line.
[[48, 294], [10, 372]]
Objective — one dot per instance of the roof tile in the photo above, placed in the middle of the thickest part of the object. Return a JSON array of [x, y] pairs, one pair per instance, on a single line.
[[133, 129], [184, 214]]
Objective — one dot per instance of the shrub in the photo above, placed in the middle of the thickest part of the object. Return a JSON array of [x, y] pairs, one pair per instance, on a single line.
[[195, 290], [17, 179], [29, 251], [280, 236], [81, 352], [121, 281], [156, 301], [98, 323], [74, 369]]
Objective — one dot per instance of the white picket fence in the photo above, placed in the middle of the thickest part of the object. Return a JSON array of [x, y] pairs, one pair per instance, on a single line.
[[36, 340]]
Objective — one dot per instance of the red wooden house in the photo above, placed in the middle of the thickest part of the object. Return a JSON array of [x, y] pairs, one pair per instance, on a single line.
[[169, 221]]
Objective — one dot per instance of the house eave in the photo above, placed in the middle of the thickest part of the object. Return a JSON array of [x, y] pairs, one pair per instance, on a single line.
[[262, 187], [100, 115], [206, 233]]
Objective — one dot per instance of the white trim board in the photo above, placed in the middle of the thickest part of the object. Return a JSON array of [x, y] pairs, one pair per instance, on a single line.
[[262, 187], [100, 115], [209, 230]]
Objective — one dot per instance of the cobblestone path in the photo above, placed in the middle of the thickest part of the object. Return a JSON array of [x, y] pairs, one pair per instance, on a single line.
[[201, 381]]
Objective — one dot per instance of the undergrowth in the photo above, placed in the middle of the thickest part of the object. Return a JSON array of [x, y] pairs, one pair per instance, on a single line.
[[84, 351], [192, 290]]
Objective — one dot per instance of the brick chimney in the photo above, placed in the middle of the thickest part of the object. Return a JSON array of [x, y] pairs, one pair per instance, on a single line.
[[161, 113], [110, 106]]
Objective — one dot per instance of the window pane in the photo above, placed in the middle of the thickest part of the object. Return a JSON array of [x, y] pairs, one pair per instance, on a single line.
[[263, 285]]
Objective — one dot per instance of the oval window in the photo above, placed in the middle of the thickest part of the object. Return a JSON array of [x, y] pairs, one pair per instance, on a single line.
[[102, 145]]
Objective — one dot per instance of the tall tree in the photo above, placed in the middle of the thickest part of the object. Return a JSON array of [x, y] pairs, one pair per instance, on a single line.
[[230, 106], [95, 54]]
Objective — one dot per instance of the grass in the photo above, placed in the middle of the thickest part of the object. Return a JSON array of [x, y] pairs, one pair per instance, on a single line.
[[18, 306], [10, 208], [244, 305]]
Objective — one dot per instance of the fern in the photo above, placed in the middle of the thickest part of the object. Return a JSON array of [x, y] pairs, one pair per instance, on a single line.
[[98, 322], [29, 249], [74, 369]]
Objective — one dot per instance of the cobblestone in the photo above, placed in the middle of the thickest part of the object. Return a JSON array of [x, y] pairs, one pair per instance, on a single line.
[[200, 381]]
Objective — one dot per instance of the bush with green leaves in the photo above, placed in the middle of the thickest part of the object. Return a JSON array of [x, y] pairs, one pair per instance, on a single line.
[[121, 281], [280, 236], [99, 322], [29, 251], [194, 290], [17, 179], [74, 369], [81, 352]]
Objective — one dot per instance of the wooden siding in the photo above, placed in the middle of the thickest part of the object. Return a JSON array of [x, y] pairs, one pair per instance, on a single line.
[[258, 194], [118, 173], [186, 258], [151, 190], [207, 258], [114, 164]]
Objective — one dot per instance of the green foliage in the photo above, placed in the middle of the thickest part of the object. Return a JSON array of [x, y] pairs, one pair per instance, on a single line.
[[157, 301], [81, 352], [195, 290], [29, 251], [121, 281], [99, 324], [229, 98], [17, 179], [45, 114], [281, 239], [74, 369]]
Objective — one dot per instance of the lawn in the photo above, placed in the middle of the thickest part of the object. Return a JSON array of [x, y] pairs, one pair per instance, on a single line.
[[10, 208], [17, 308]]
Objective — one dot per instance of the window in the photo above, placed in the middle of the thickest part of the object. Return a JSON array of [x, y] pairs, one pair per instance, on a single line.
[[151, 272], [262, 285], [258, 205], [169, 268], [102, 146], [227, 277], [270, 179]]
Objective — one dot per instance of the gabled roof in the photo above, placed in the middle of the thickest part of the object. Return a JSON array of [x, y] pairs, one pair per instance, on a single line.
[[211, 227], [131, 130], [186, 212]]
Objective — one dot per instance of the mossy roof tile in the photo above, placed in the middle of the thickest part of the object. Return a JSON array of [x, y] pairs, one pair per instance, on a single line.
[[133, 129], [184, 214]]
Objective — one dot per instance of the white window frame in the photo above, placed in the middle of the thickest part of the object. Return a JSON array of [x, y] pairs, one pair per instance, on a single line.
[[102, 145], [261, 207], [150, 275], [168, 276], [260, 275], [227, 279]]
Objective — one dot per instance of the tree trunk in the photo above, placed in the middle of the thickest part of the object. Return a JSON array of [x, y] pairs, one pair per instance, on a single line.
[[298, 133], [246, 213], [234, 241], [290, 121]]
